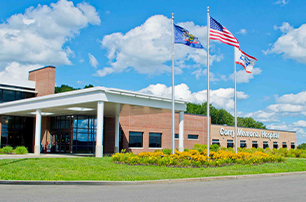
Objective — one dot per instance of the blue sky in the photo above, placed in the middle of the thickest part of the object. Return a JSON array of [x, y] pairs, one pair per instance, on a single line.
[[127, 45]]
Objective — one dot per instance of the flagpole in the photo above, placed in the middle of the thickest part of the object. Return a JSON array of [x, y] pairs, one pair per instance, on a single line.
[[208, 27], [173, 118], [235, 101]]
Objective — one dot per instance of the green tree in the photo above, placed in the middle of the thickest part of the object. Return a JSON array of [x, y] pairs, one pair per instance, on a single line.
[[302, 146], [221, 116], [88, 86], [64, 88]]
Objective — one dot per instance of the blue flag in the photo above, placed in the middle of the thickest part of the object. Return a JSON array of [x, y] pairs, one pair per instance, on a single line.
[[183, 36]]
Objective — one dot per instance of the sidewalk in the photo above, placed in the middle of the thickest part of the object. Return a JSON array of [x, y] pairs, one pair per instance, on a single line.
[[31, 155]]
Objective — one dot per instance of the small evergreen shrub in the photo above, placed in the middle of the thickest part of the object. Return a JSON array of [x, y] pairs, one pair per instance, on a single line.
[[21, 150], [167, 151], [7, 150]]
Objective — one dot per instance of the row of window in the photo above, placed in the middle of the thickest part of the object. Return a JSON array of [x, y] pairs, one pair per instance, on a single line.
[[155, 139], [10, 95], [230, 143]]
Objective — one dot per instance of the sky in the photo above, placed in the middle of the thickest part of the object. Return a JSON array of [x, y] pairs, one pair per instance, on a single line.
[[127, 45]]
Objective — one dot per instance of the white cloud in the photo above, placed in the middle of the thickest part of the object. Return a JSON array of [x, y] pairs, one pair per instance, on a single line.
[[93, 61], [299, 98], [285, 108], [198, 73], [282, 126], [286, 27], [37, 37], [243, 77], [300, 123], [263, 116], [220, 98], [292, 44], [16, 70], [147, 48], [282, 2], [242, 31]]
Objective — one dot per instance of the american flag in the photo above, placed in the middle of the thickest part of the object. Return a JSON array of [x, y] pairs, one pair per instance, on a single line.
[[218, 32]]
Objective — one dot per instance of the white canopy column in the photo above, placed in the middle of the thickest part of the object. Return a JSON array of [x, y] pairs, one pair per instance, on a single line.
[[99, 136], [181, 131], [116, 150], [37, 132]]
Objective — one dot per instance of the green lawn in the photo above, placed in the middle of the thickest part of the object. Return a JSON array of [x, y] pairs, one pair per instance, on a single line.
[[88, 168]]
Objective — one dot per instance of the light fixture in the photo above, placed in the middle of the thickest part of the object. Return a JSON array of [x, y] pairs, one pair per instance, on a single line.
[[43, 113], [81, 109]]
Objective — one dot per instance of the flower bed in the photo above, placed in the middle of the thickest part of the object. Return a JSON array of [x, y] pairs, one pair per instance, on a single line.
[[195, 158]]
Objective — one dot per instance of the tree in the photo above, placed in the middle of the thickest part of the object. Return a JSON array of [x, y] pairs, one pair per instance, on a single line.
[[66, 88], [302, 146], [88, 86], [221, 116]]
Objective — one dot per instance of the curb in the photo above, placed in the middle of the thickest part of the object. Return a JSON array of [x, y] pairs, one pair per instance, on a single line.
[[168, 181]]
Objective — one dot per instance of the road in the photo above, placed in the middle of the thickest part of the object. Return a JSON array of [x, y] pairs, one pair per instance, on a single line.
[[281, 188]]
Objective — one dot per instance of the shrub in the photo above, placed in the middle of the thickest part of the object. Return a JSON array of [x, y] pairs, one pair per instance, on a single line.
[[195, 158], [7, 150], [214, 147], [21, 150], [167, 151], [186, 163]]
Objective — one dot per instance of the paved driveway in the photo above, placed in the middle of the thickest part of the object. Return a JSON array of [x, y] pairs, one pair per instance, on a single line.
[[272, 189]]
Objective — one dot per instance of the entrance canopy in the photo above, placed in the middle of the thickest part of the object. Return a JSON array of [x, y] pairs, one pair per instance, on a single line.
[[85, 102]]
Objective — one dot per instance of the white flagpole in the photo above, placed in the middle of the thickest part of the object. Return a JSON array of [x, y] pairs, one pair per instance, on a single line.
[[173, 118], [235, 102], [208, 27]]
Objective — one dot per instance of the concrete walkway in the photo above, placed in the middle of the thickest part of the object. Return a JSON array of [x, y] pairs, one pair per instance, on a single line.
[[31, 155]]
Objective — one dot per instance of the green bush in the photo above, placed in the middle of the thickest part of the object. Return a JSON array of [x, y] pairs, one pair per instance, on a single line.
[[200, 147], [21, 150], [186, 163], [214, 147], [167, 151], [7, 150]]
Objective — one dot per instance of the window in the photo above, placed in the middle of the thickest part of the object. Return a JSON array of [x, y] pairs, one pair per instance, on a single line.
[[292, 145], [215, 141], [254, 144], [275, 145], [193, 137], [1, 98], [8, 95], [284, 145], [135, 139], [243, 143], [155, 140], [230, 143], [177, 136], [265, 144]]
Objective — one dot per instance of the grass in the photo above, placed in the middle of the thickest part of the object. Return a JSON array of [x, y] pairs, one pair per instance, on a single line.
[[103, 169]]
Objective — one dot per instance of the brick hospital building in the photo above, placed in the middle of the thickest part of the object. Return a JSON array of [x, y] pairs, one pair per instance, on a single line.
[[103, 120]]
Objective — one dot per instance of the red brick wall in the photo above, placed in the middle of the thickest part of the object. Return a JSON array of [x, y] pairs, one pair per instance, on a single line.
[[45, 80], [109, 135], [161, 123]]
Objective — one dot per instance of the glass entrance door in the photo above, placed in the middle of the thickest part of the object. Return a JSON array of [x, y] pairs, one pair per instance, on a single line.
[[62, 142]]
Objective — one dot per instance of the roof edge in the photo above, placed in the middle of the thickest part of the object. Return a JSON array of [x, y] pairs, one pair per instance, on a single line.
[[42, 68]]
